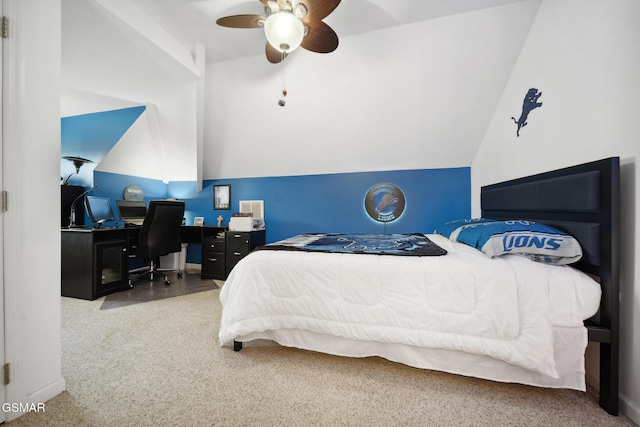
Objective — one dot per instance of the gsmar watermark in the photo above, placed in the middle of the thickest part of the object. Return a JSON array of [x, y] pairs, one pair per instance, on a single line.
[[23, 407]]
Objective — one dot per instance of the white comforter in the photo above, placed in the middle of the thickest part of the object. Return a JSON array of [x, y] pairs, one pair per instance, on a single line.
[[503, 308]]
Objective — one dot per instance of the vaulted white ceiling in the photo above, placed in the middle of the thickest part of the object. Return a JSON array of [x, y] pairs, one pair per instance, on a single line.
[[424, 75], [193, 21], [123, 50]]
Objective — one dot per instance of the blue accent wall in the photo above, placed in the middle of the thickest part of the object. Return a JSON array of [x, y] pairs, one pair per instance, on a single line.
[[112, 185], [293, 204], [315, 203], [335, 202], [92, 136]]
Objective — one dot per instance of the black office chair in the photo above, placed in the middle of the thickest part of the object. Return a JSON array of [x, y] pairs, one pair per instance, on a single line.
[[159, 235]]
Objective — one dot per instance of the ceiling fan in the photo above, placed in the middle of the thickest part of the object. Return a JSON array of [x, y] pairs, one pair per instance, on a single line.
[[289, 24]]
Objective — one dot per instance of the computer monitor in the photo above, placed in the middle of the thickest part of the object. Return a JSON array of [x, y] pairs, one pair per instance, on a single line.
[[99, 210], [132, 211]]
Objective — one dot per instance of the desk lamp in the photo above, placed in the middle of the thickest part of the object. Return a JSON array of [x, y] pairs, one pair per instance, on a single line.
[[77, 162], [72, 218]]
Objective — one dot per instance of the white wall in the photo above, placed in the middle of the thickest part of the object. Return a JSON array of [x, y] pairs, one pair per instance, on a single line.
[[31, 145], [160, 144], [407, 97], [583, 55], [114, 56]]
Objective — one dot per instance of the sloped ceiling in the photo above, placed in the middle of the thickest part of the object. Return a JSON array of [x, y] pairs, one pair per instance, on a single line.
[[101, 57], [108, 62], [395, 59], [414, 96], [194, 20]]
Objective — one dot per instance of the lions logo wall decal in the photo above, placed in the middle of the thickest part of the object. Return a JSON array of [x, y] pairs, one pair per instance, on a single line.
[[384, 202], [530, 102]]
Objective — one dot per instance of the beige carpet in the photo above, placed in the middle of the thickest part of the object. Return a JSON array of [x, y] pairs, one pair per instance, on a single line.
[[159, 364]]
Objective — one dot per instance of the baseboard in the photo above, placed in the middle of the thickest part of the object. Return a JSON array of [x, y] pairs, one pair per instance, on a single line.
[[593, 380], [193, 266], [626, 406], [48, 392], [629, 409], [39, 397]]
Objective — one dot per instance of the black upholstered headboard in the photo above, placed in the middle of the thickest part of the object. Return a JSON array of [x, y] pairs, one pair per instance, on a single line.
[[583, 201]]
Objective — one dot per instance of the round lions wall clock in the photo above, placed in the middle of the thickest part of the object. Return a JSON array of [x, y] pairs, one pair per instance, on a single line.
[[384, 202], [133, 192]]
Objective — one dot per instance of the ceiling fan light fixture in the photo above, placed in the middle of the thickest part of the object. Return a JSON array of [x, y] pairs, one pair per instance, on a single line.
[[300, 11], [284, 31], [273, 6]]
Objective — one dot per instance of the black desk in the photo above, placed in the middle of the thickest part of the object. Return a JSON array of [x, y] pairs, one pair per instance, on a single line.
[[95, 261], [194, 234]]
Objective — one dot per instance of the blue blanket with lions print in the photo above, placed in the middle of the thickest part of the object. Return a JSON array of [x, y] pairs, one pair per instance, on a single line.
[[413, 244]]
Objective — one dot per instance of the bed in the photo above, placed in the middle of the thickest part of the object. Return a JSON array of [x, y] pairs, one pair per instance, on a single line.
[[506, 318]]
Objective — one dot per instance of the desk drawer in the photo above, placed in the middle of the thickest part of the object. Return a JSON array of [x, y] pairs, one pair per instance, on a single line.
[[213, 265], [232, 258], [212, 244], [237, 250], [239, 244], [213, 258]]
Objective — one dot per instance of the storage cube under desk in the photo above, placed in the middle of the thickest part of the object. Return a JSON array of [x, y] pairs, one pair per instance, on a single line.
[[238, 244], [94, 262]]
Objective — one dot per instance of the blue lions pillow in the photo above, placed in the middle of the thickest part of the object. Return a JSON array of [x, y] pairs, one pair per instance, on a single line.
[[538, 242]]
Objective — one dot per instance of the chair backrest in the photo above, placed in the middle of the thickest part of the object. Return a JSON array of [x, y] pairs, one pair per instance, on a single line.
[[160, 231]]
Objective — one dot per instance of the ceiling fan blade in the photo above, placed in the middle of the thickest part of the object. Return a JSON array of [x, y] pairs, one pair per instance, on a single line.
[[273, 55], [321, 38], [241, 21], [317, 10]]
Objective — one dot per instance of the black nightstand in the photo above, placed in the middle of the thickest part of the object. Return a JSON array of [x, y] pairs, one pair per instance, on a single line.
[[239, 244]]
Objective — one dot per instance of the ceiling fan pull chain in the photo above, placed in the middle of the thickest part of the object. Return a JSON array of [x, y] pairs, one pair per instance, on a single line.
[[284, 83], [282, 102]]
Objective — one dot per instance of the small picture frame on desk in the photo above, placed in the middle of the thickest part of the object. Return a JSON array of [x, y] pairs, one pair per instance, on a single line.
[[198, 221], [222, 197]]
